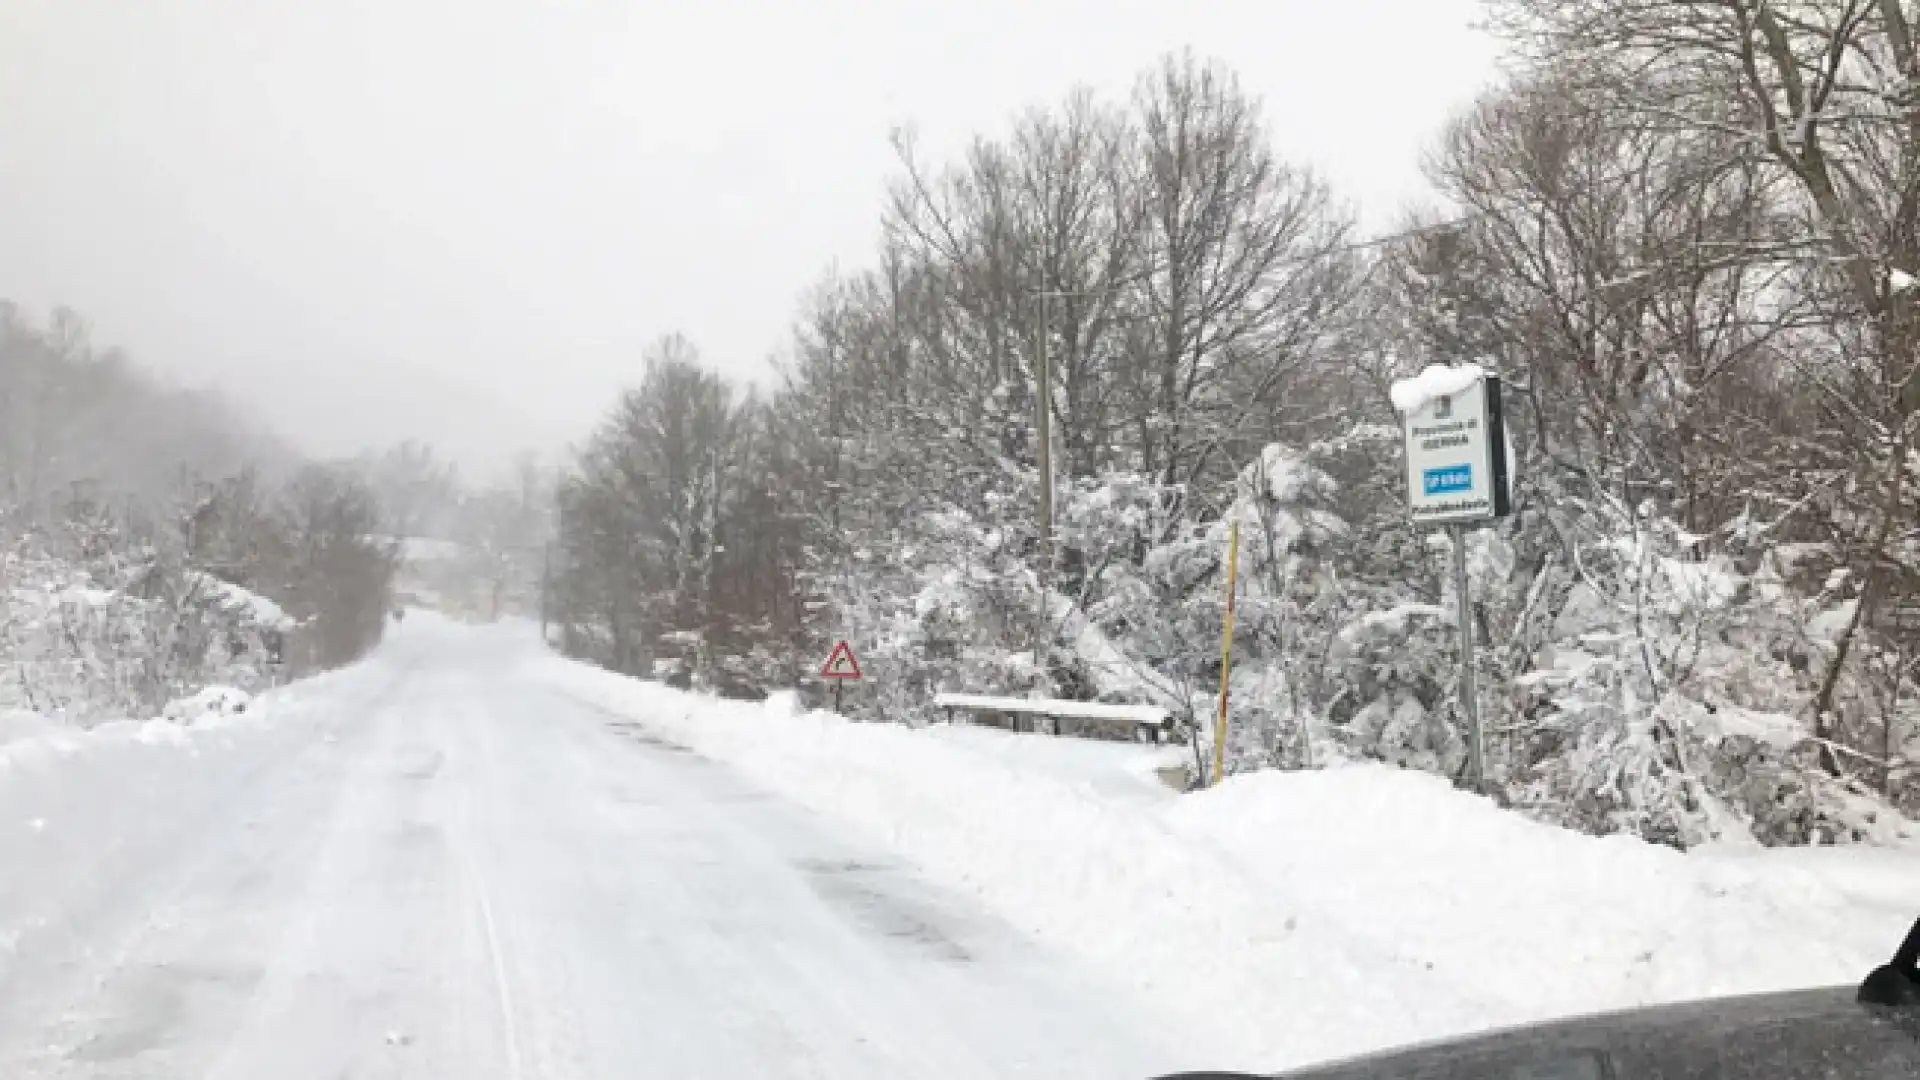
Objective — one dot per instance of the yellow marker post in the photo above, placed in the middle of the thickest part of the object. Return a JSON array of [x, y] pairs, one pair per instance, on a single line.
[[1226, 654]]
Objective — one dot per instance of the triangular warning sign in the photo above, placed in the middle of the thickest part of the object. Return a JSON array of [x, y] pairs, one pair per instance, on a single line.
[[840, 663]]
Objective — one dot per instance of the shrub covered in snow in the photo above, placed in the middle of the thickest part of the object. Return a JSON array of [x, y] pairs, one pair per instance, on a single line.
[[90, 646]]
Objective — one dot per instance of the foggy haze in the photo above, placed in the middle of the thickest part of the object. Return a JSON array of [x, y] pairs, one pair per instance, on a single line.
[[460, 223], [535, 544]]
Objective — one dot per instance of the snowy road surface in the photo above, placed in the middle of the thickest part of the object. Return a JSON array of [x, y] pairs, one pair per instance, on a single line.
[[433, 866]]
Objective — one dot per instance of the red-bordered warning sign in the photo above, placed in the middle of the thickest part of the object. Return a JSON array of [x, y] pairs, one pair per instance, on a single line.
[[841, 663]]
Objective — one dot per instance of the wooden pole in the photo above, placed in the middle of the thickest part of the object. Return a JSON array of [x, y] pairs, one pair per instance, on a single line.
[[1226, 654]]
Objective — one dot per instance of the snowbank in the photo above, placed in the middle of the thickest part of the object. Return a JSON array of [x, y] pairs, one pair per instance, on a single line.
[[1284, 918], [1541, 920], [79, 808], [1113, 770], [208, 706]]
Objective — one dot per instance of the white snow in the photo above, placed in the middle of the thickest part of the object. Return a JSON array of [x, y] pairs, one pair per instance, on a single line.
[[1091, 710], [19, 725], [1283, 918], [230, 597], [467, 857], [1436, 381], [1394, 619], [1827, 625], [1900, 281], [208, 705], [1282, 474], [434, 865], [1113, 671], [87, 596], [1116, 770]]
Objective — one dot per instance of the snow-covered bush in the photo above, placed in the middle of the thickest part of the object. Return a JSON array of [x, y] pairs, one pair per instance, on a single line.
[[1668, 702], [86, 646]]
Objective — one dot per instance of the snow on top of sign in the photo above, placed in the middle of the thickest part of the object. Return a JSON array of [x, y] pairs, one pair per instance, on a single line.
[[1437, 381]]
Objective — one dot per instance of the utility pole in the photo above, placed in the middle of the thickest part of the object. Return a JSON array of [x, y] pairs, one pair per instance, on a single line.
[[1043, 430], [546, 586], [1043, 459], [1043, 433]]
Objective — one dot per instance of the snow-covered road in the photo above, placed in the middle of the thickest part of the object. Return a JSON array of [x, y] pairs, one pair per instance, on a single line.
[[433, 866]]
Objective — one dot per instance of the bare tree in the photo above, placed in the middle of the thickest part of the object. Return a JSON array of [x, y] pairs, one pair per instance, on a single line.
[[1240, 270], [1825, 94]]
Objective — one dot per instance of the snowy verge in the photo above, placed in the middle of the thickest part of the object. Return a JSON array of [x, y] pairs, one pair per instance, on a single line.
[[81, 809], [1067, 863], [1285, 918]]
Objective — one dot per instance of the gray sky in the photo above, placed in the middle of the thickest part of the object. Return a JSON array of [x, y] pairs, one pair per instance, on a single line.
[[460, 220]]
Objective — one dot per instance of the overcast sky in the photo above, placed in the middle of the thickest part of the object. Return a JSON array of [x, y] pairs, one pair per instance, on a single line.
[[460, 221]]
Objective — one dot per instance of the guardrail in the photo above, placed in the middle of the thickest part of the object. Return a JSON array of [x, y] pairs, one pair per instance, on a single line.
[[1150, 722]]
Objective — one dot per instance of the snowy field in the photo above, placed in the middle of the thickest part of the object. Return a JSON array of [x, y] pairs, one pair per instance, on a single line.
[[1290, 917]]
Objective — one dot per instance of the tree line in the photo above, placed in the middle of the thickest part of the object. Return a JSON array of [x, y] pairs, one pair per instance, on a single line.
[[1683, 232], [156, 543]]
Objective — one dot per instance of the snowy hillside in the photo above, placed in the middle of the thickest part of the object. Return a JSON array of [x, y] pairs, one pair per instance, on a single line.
[[1290, 917]]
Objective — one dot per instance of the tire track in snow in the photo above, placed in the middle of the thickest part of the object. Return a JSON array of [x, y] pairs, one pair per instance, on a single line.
[[476, 883]]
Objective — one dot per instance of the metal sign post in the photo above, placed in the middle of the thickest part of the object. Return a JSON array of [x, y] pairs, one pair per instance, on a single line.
[[1458, 477], [1469, 693]]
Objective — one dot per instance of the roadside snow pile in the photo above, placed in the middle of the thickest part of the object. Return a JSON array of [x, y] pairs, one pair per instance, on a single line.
[[1498, 903], [1297, 916], [211, 703], [1062, 861], [28, 739], [1115, 770], [19, 725], [82, 809]]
